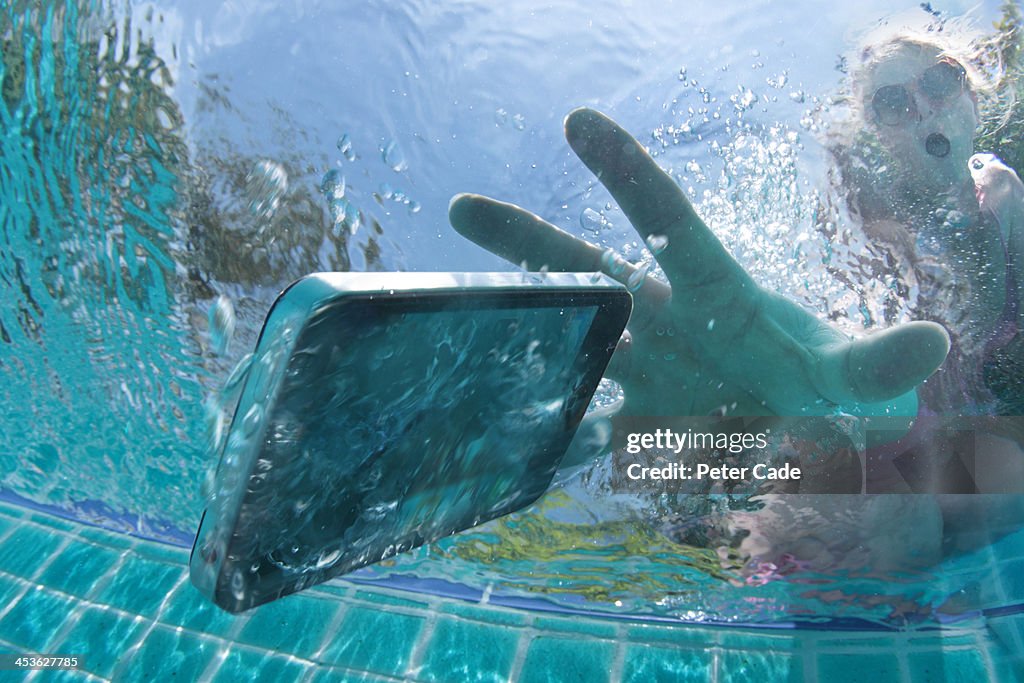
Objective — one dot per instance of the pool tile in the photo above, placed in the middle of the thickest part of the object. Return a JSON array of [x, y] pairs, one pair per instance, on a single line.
[[26, 548], [855, 668], [140, 586], [944, 640], [106, 537], [753, 641], [491, 615], [294, 624], [56, 523], [468, 651], [373, 640], [162, 552], [754, 666], [338, 589], [949, 665], [68, 676], [1010, 547], [190, 609], [247, 665], [590, 627], [166, 655], [1008, 633], [101, 637], [78, 567], [332, 675], [1011, 576], [8, 589], [565, 659], [841, 645], [1005, 648], [645, 664], [391, 600], [34, 620], [694, 636]]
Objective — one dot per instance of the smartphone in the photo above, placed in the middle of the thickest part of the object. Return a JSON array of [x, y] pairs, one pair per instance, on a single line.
[[383, 411]]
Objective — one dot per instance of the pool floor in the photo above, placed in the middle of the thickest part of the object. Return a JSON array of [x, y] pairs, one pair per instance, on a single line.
[[125, 606]]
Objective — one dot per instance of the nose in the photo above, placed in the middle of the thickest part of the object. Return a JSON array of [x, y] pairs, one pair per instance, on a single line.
[[925, 110]]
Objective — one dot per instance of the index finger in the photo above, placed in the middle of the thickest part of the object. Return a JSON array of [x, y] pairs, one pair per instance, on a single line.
[[653, 202], [524, 238]]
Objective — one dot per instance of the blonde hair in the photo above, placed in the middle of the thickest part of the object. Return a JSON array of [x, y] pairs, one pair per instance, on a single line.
[[955, 38]]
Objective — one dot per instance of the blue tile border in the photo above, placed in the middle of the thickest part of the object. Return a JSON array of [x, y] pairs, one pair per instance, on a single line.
[[369, 631]]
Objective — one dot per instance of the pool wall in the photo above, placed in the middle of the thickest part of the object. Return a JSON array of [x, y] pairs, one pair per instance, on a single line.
[[125, 605]]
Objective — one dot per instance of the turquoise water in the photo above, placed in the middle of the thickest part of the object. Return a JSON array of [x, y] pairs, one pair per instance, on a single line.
[[153, 157]]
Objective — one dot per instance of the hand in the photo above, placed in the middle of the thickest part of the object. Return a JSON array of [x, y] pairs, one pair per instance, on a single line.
[[998, 187], [712, 340], [1001, 193]]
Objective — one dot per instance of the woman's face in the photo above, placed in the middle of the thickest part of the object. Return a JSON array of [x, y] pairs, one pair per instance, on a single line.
[[922, 109]]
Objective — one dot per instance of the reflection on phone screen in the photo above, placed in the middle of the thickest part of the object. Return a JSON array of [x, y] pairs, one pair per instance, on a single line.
[[400, 421]]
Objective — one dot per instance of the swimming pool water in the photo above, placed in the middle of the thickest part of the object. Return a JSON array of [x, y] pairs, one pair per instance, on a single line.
[[142, 144]]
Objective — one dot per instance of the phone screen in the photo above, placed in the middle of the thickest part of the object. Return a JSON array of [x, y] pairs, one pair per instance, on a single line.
[[403, 419]]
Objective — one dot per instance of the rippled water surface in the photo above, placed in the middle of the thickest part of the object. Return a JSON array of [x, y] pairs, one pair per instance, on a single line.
[[166, 169]]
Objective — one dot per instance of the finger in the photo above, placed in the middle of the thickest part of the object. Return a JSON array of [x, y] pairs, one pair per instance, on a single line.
[[652, 201], [883, 365], [519, 236]]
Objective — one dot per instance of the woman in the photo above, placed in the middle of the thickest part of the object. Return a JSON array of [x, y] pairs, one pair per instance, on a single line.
[[905, 164], [714, 342]]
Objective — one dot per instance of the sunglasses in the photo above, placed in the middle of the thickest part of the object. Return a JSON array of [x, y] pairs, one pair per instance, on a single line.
[[894, 105]]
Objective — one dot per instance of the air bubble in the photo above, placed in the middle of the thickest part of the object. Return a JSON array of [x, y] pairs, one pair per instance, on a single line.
[[345, 147], [656, 243], [637, 279], [333, 184], [612, 262], [238, 585], [238, 374], [594, 221], [252, 419], [222, 323], [393, 157], [265, 185], [326, 559]]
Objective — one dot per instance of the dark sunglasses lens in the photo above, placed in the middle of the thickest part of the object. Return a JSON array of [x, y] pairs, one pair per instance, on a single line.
[[943, 81], [892, 104]]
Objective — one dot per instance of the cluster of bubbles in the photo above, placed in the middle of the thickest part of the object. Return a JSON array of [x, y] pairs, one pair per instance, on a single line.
[[389, 193], [745, 182], [596, 222], [344, 216], [502, 118], [345, 147], [265, 185]]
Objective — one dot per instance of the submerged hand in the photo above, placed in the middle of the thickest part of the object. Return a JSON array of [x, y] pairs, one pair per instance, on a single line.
[[998, 187], [714, 340], [1000, 193]]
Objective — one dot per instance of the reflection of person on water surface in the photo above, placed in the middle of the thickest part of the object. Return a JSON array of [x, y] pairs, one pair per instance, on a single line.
[[915, 102]]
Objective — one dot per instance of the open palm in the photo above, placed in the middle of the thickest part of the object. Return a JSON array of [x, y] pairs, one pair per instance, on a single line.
[[713, 341]]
